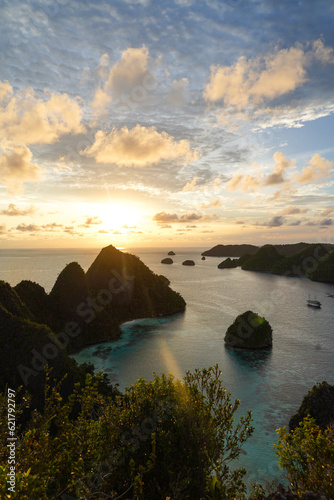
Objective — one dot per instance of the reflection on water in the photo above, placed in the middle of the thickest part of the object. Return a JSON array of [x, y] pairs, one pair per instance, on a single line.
[[254, 360]]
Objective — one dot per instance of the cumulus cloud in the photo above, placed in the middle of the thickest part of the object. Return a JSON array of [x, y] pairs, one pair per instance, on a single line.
[[26, 119], [251, 183], [165, 217], [92, 221], [251, 82], [31, 228], [138, 147], [129, 72], [243, 182], [292, 211], [16, 168], [317, 170], [326, 222], [282, 164], [216, 203], [276, 221], [13, 210]]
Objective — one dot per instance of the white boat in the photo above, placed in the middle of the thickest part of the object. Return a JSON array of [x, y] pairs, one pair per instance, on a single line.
[[313, 303]]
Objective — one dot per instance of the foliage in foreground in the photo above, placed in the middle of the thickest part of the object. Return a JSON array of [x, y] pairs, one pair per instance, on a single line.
[[162, 438], [307, 453]]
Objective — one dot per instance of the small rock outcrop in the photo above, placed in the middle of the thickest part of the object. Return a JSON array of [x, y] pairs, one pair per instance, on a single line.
[[203, 258], [188, 263], [171, 253], [228, 263], [167, 260], [249, 331]]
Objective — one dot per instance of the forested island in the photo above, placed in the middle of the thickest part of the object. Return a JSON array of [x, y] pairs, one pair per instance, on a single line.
[[314, 261], [81, 309]]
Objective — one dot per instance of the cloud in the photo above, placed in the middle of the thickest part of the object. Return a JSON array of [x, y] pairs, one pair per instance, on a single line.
[[251, 82], [190, 185], [292, 211], [276, 221], [190, 217], [322, 53], [210, 186], [2, 228], [92, 221], [32, 228], [128, 73], [253, 182], [282, 164], [138, 147], [318, 169], [164, 217], [16, 168], [327, 211], [216, 203], [326, 222], [26, 119], [243, 182], [100, 101], [13, 210]]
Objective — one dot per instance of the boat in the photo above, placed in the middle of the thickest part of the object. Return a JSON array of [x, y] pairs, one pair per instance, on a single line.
[[313, 303]]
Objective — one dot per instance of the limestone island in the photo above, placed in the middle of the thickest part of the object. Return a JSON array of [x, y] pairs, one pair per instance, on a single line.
[[249, 331], [171, 253], [188, 263], [167, 260], [83, 308]]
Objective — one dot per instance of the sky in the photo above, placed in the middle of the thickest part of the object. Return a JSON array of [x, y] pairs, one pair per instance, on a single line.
[[152, 123]]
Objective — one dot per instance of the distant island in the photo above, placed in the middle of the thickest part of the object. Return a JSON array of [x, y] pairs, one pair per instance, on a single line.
[[240, 250], [311, 260]]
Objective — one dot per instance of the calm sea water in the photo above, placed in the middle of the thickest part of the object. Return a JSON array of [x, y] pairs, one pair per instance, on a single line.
[[270, 383]]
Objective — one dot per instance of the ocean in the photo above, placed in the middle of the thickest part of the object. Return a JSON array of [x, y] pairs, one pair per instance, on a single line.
[[270, 383]]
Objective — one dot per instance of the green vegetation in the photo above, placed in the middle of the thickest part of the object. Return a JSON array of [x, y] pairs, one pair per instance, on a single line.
[[314, 261], [263, 260], [163, 438], [82, 308], [307, 453], [230, 250], [249, 331]]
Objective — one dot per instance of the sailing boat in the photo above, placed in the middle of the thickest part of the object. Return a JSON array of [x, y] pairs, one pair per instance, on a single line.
[[313, 303]]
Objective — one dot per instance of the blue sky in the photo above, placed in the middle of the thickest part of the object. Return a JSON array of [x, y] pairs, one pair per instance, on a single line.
[[153, 123]]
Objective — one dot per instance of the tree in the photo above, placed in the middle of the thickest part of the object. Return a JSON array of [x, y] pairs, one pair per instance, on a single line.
[[161, 438], [307, 453]]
